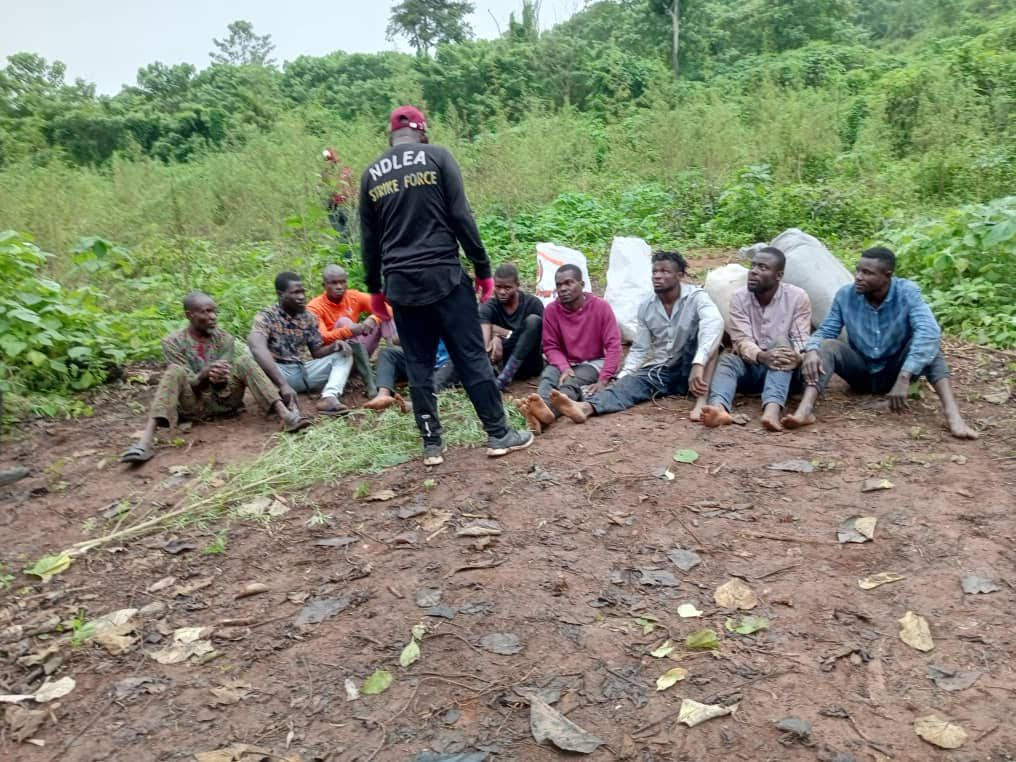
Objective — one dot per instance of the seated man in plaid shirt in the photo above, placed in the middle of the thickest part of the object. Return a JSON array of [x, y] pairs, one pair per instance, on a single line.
[[892, 339], [287, 344]]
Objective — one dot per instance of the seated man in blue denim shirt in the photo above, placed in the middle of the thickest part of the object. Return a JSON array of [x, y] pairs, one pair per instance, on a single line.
[[893, 338]]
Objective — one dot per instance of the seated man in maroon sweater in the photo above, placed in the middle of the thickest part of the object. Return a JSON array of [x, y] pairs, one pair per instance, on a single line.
[[583, 347]]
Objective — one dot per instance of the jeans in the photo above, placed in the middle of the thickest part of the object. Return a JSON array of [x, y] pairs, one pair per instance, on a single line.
[[733, 375], [550, 379], [454, 319], [524, 346], [840, 358], [391, 369], [329, 374], [646, 383]]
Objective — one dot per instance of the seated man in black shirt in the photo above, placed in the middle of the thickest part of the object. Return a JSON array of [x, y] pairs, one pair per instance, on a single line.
[[512, 325]]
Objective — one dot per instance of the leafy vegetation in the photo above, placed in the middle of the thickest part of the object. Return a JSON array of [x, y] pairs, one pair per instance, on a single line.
[[711, 124]]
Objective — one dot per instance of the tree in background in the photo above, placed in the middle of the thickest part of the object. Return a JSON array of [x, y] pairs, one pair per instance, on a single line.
[[243, 47], [673, 9], [428, 23]]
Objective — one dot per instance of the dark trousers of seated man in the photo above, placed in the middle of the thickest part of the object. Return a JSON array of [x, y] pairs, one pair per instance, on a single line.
[[646, 383], [392, 370], [524, 346], [583, 374], [840, 358], [734, 375], [452, 318]]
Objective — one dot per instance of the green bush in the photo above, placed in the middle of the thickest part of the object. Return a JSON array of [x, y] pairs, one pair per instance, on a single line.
[[966, 262], [52, 340]]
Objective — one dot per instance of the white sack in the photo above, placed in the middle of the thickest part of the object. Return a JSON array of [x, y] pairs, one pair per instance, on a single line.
[[549, 257], [721, 284], [629, 282], [811, 266]]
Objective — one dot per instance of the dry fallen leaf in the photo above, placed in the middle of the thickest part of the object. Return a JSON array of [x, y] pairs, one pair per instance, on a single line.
[[234, 753], [162, 584], [874, 485], [735, 595], [857, 529], [548, 724], [352, 692], [187, 642], [670, 677], [688, 610], [876, 580], [934, 730], [693, 713], [54, 690], [382, 496], [230, 693], [915, 633], [24, 722]]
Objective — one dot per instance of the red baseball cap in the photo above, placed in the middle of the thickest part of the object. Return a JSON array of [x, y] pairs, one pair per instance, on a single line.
[[408, 116]]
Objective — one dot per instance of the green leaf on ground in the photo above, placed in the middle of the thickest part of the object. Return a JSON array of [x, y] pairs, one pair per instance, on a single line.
[[746, 625], [663, 651], [48, 566], [647, 623], [706, 639], [379, 682], [409, 654], [686, 456]]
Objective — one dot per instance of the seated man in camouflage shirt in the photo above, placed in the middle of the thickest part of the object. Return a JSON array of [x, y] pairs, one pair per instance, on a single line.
[[206, 376]]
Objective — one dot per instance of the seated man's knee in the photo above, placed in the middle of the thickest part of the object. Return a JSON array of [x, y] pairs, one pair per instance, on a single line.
[[936, 370], [532, 321], [175, 373]]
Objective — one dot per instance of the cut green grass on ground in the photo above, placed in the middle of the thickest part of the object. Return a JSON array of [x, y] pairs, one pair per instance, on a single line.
[[362, 443]]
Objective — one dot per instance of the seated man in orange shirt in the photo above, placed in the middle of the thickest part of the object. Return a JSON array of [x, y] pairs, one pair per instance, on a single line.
[[338, 312]]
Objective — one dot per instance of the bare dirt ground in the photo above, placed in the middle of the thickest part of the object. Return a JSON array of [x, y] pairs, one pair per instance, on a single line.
[[580, 574]]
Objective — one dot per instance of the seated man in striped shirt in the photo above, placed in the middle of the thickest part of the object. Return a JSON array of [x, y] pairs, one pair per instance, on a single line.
[[893, 338], [769, 324]]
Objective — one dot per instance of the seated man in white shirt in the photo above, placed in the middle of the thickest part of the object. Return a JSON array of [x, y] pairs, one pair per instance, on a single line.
[[679, 331]]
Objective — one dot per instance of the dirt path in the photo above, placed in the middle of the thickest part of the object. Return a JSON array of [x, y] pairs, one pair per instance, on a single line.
[[584, 525]]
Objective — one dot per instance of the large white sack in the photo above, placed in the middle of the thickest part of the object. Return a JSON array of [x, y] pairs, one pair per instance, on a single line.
[[629, 282], [549, 257], [721, 284], [811, 266]]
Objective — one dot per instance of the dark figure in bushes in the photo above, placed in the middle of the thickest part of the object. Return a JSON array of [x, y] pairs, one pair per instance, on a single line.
[[893, 338]]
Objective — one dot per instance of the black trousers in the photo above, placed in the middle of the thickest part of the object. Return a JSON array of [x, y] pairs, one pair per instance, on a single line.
[[453, 319], [525, 344]]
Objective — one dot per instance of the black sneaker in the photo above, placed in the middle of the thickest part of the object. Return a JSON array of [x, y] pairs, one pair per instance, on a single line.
[[433, 454], [515, 439]]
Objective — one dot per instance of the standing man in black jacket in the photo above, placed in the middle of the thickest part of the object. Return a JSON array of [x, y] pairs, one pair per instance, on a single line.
[[413, 217]]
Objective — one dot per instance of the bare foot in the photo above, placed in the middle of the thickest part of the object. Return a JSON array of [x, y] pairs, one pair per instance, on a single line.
[[568, 407], [382, 402], [713, 416], [539, 409], [404, 407], [959, 429], [532, 422], [797, 421], [771, 417], [696, 412]]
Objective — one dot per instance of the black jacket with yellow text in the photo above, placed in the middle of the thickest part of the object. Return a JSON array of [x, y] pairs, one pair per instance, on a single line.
[[413, 216]]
